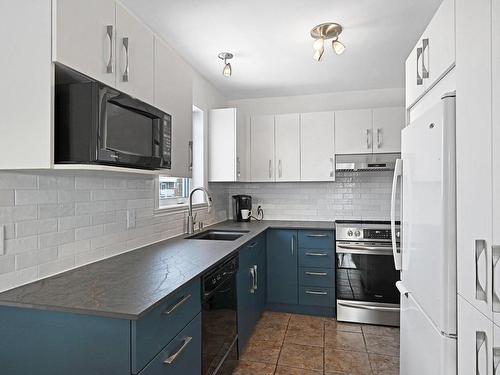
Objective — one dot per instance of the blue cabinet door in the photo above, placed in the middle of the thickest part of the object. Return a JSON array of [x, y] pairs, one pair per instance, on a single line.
[[261, 274], [246, 296], [282, 266]]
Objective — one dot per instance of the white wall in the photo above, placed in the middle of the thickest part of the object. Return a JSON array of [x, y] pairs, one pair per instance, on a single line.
[[321, 102]]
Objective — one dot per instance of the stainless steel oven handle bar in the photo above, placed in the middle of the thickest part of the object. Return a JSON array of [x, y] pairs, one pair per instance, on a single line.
[[367, 307]]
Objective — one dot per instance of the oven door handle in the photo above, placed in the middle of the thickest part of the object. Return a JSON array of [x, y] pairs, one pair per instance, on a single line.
[[366, 250], [367, 307]]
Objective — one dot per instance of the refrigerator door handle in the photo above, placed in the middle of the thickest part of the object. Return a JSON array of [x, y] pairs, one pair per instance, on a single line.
[[481, 269], [481, 353], [496, 361], [396, 252], [402, 289], [496, 278]]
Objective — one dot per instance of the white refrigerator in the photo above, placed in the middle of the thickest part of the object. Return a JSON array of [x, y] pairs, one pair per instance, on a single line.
[[425, 177]]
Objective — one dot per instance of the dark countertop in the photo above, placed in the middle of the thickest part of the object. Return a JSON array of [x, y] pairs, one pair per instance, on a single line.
[[130, 284]]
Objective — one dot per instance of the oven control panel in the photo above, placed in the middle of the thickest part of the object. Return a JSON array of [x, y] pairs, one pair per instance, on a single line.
[[365, 232]]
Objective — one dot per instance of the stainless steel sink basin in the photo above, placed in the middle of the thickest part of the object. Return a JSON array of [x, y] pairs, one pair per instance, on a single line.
[[217, 235]]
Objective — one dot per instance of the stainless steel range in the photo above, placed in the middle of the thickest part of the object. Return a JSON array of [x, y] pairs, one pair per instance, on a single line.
[[365, 273]]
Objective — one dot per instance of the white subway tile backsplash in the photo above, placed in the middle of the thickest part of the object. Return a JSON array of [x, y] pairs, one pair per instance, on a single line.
[[72, 222], [6, 197], [35, 257], [56, 210], [21, 244], [55, 239], [11, 180], [17, 213], [86, 233], [73, 248], [30, 228], [65, 196], [35, 197], [7, 264], [56, 182]]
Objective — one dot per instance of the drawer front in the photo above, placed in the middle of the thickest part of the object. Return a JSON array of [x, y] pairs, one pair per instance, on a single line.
[[317, 239], [317, 277], [316, 296], [311, 257], [152, 332], [182, 356]]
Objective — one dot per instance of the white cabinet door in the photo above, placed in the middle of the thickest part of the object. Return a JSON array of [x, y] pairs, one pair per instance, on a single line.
[[496, 157], [242, 147], [475, 341], [85, 37], [287, 147], [354, 131], [134, 51], [438, 42], [173, 93], [262, 148], [413, 75], [387, 126], [317, 138], [474, 154], [222, 145]]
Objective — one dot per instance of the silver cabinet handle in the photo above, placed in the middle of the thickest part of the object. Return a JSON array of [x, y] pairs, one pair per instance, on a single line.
[[270, 169], [316, 254], [481, 269], [252, 273], [379, 144], [420, 81], [280, 170], [317, 235], [238, 167], [332, 167], [368, 138], [481, 353], [292, 244], [174, 356], [126, 71], [256, 287], [425, 47], [496, 278], [190, 150], [316, 293], [253, 245], [316, 273], [177, 305], [109, 33]]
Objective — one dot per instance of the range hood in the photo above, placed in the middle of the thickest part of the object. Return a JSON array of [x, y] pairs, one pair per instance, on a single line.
[[366, 162]]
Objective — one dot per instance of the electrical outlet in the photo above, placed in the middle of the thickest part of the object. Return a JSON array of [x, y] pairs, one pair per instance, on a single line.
[[130, 218], [2, 239]]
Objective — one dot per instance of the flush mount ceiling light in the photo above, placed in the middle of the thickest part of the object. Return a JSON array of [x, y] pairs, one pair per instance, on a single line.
[[227, 71], [323, 32]]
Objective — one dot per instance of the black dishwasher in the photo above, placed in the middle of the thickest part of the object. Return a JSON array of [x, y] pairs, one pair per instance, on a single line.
[[220, 332]]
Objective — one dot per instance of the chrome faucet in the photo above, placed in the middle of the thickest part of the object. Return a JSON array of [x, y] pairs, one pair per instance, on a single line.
[[191, 219]]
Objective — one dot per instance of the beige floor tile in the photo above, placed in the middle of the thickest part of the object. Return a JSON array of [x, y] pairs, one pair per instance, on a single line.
[[268, 332], [344, 340], [307, 322], [301, 356], [385, 345], [276, 319], [304, 335], [384, 365], [262, 351], [283, 370], [348, 362], [341, 326], [249, 368], [380, 330]]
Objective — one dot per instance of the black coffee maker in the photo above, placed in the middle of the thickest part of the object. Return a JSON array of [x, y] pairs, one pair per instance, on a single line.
[[241, 202]]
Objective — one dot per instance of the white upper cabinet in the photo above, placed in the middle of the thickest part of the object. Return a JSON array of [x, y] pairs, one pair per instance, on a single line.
[[387, 126], [354, 131], [287, 147], [262, 148], [85, 37], [173, 93], [228, 146], [135, 56], [317, 137], [433, 55]]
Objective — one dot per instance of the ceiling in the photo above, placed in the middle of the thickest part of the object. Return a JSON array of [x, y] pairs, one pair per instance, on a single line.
[[272, 46]]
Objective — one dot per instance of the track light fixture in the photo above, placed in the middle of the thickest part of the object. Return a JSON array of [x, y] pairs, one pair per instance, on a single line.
[[227, 70], [325, 31]]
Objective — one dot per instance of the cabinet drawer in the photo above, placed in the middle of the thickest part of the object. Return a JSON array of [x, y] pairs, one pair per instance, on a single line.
[[183, 354], [155, 330], [317, 277], [311, 257], [316, 239], [316, 296]]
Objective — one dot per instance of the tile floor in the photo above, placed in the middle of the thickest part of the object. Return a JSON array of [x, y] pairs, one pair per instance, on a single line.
[[289, 344]]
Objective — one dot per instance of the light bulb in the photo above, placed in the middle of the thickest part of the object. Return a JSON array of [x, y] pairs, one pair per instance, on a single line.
[[338, 47], [319, 44], [227, 71], [317, 54]]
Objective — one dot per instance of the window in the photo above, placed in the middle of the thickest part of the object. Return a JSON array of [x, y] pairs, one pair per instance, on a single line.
[[173, 192]]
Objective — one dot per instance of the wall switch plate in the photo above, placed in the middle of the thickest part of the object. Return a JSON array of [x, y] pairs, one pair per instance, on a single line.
[[2, 239], [130, 218]]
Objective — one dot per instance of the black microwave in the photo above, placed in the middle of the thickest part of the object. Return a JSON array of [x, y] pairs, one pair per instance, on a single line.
[[96, 124]]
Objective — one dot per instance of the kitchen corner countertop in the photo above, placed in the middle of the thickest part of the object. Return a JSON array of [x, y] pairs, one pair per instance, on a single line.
[[129, 285]]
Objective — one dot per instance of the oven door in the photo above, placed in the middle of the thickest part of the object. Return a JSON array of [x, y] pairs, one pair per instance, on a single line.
[[366, 283], [130, 132]]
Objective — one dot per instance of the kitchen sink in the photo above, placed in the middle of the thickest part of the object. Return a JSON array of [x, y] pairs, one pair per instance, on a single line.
[[217, 235]]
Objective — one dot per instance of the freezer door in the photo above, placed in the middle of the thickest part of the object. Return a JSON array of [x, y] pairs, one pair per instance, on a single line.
[[424, 349], [429, 219]]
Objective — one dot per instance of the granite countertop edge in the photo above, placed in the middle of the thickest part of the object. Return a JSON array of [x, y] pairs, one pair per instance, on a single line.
[[50, 294]]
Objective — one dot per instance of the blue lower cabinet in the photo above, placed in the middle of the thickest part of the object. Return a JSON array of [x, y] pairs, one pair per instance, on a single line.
[[310, 257], [282, 278], [182, 356], [47, 343], [317, 239], [316, 296], [317, 277]]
